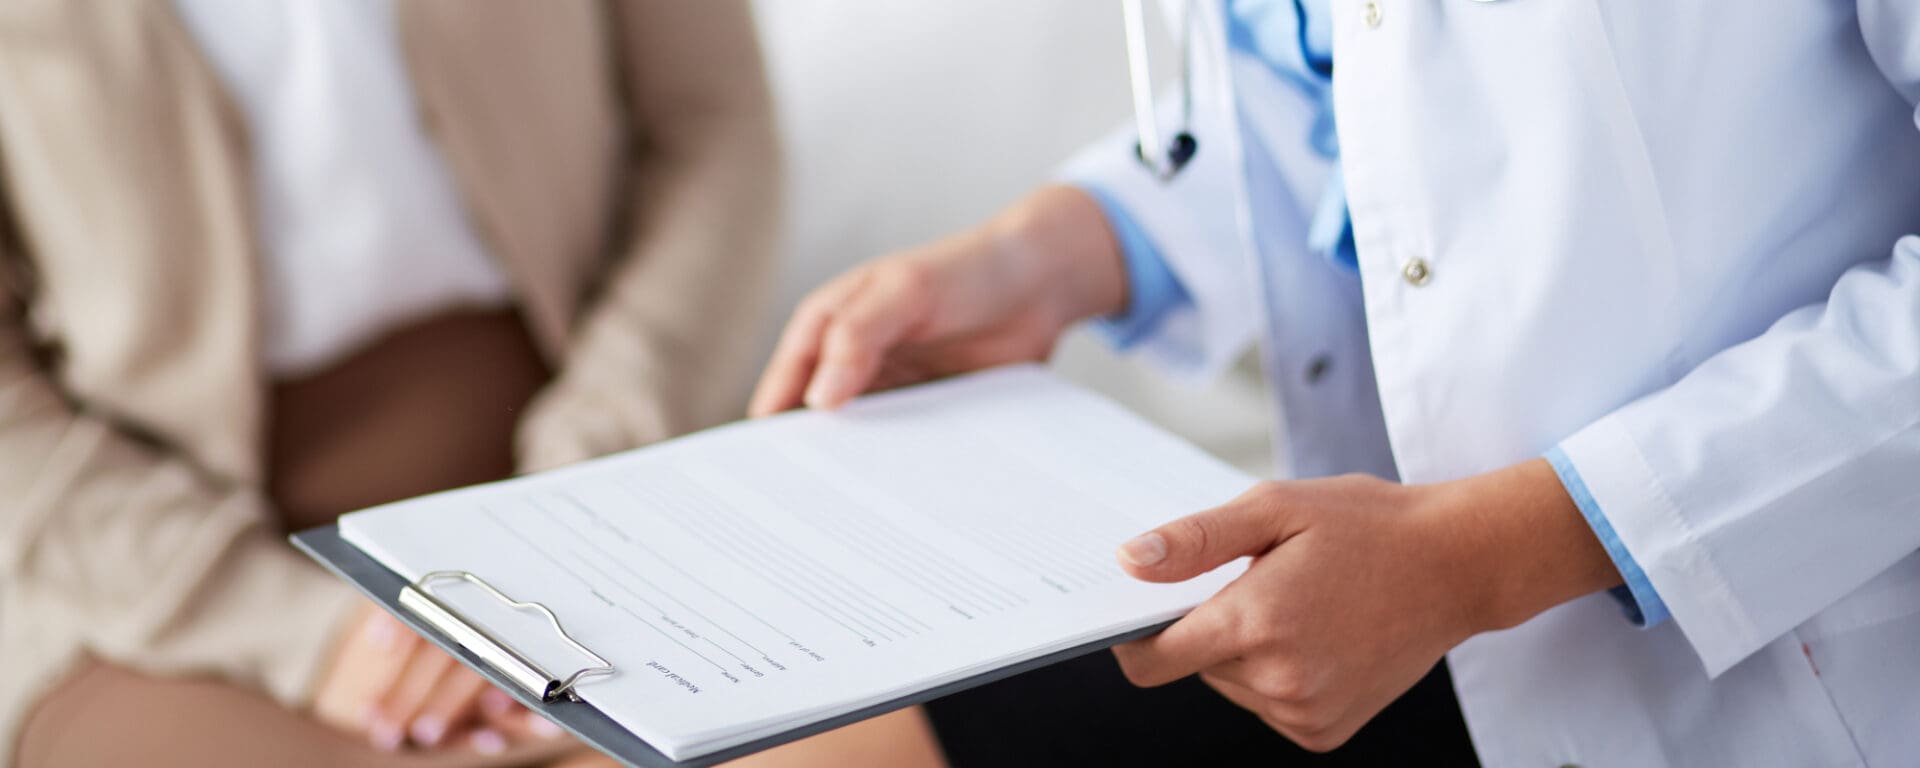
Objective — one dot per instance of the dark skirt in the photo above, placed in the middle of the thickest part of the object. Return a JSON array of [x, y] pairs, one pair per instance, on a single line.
[[1084, 712]]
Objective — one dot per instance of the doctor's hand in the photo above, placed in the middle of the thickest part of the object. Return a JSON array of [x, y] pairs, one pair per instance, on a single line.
[[1000, 293], [1357, 587]]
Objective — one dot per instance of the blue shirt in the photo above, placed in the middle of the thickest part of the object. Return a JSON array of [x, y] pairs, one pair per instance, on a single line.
[[1294, 38]]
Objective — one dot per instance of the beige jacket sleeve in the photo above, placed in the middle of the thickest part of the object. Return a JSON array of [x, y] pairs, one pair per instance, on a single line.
[[663, 348], [112, 547]]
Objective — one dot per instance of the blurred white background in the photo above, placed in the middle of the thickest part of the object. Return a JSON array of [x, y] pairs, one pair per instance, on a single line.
[[908, 119]]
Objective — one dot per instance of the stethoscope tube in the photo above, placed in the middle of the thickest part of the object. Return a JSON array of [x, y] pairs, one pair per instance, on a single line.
[[1164, 157]]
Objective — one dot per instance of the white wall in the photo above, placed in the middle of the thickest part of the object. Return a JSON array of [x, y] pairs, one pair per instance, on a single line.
[[907, 119]]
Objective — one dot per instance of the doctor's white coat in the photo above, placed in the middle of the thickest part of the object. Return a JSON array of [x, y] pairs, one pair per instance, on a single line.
[[1672, 238]]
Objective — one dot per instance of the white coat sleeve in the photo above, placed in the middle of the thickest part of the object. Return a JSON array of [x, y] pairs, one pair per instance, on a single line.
[[1784, 472]]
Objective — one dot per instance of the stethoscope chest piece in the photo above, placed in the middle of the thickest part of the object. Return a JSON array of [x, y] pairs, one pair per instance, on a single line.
[[1173, 157], [1163, 158]]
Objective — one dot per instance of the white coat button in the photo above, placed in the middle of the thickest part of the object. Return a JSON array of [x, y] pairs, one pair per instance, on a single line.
[[1317, 369], [1416, 272], [1371, 12]]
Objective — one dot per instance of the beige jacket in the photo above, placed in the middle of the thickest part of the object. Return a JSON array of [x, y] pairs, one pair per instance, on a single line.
[[618, 158]]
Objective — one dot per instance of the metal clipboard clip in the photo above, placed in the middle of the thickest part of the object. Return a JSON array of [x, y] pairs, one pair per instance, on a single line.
[[418, 598]]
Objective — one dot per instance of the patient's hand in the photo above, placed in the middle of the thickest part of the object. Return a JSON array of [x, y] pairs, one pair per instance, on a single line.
[[384, 681]]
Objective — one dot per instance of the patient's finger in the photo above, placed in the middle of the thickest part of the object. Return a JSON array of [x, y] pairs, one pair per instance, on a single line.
[[364, 668], [501, 713], [488, 741], [524, 725], [510, 721], [423, 671], [453, 702], [494, 701]]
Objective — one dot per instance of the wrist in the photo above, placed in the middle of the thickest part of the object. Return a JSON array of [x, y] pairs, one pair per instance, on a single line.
[[1058, 239], [1523, 545]]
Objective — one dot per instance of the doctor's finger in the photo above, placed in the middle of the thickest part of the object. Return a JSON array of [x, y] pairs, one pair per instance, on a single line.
[[1199, 641], [1242, 697], [859, 334], [1276, 717], [794, 357], [1200, 542]]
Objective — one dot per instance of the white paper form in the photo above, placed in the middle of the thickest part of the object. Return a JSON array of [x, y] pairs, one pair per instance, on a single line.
[[757, 577]]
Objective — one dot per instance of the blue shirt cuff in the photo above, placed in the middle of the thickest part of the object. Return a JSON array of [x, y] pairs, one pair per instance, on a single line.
[[1642, 605], [1152, 289]]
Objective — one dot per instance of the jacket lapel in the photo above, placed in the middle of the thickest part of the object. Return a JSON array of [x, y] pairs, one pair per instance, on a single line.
[[129, 181], [518, 97]]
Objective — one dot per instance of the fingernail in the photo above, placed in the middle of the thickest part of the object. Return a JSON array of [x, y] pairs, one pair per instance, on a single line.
[[1145, 549], [545, 727], [382, 632], [495, 701], [386, 735], [829, 382], [428, 729], [487, 741]]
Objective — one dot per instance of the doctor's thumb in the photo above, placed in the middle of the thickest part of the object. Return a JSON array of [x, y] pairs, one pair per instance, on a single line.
[[1199, 542]]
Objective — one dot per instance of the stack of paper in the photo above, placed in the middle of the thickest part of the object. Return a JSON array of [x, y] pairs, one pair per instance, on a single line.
[[759, 577]]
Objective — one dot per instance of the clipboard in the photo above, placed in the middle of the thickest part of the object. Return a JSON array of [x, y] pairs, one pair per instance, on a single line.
[[550, 694]]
